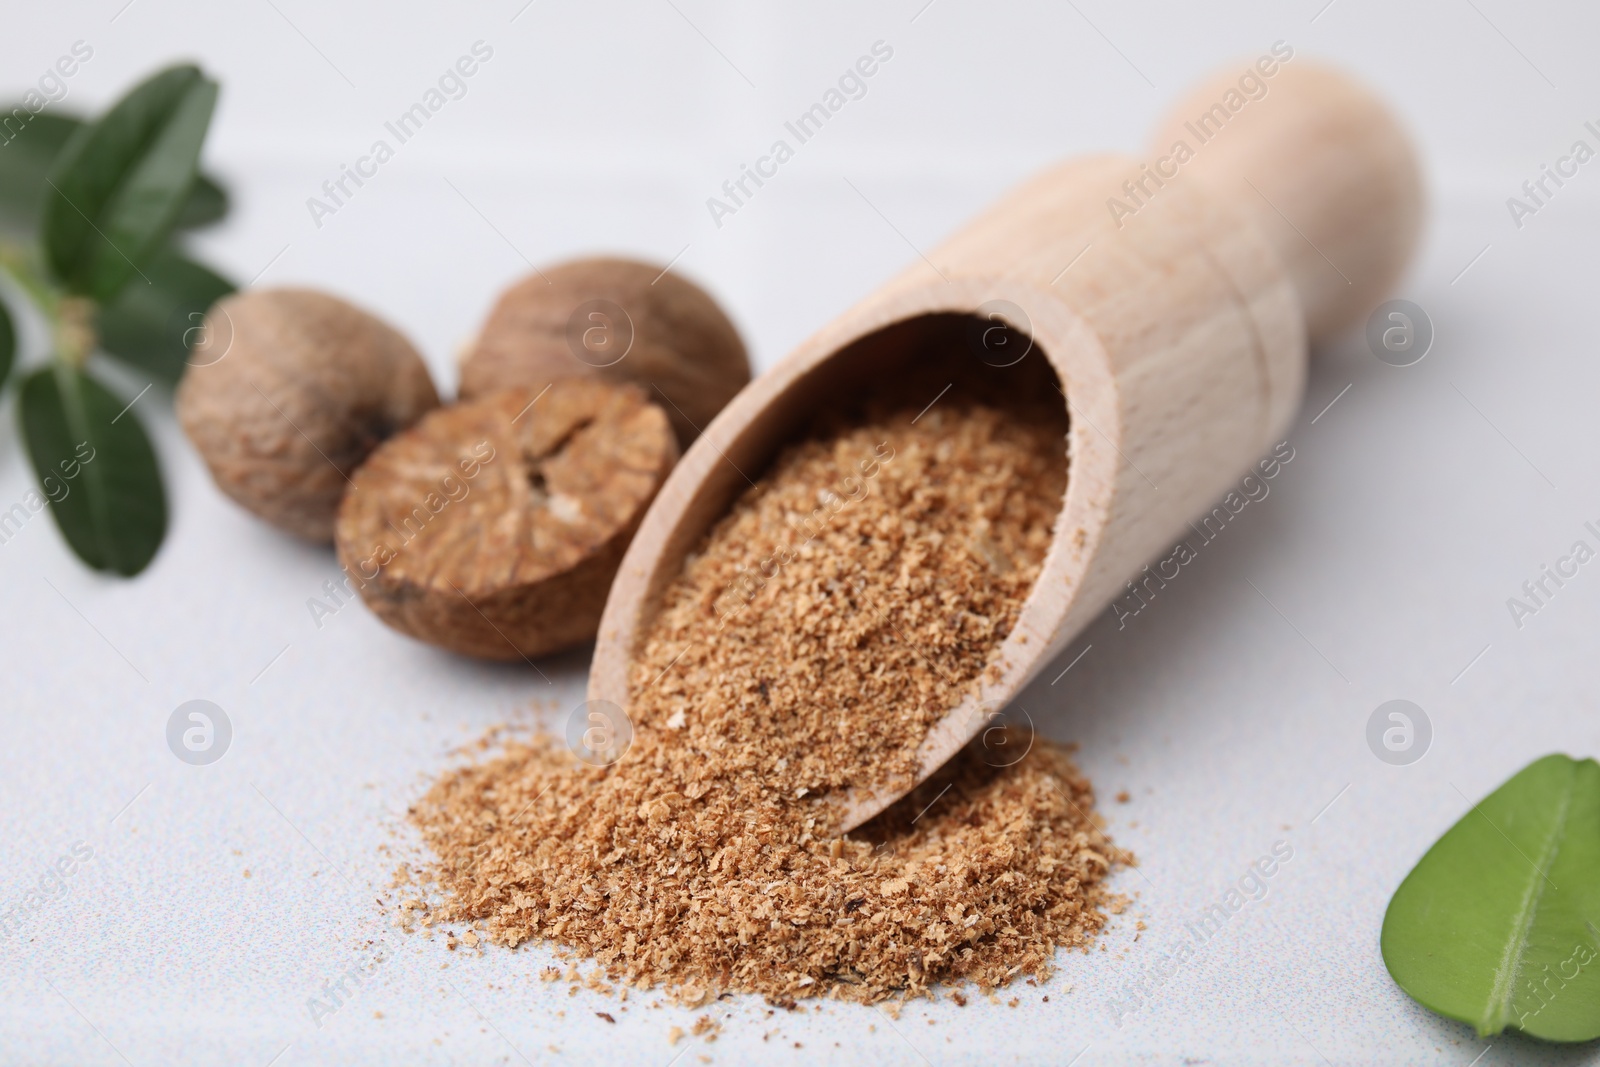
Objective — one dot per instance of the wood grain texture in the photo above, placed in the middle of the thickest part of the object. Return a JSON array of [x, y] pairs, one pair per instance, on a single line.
[[1177, 334]]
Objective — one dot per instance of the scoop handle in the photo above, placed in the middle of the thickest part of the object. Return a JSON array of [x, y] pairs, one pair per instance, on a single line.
[[1321, 166]]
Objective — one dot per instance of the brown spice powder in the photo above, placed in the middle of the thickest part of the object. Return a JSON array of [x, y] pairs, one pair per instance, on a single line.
[[845, 602], [882, 565]]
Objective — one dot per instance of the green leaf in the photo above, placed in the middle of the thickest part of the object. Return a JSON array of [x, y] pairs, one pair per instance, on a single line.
[[30, 142], [207, 203], [151, 324], [1499, 924], [119, 185], [97, 468], [25, 157], [8, 343]]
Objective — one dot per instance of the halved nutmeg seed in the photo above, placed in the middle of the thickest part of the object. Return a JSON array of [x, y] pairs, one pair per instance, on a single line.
[[493, 528]]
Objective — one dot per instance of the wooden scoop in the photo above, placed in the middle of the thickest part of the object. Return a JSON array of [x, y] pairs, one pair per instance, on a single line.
[[1174, 297]]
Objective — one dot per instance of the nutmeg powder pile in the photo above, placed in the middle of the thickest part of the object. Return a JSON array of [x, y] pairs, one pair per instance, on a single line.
[[850, 597]]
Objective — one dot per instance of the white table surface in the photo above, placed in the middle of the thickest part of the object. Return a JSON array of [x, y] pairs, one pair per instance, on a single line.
[[219, 899]]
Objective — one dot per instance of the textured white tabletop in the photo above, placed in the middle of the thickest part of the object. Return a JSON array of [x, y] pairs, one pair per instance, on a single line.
[[220, 900]]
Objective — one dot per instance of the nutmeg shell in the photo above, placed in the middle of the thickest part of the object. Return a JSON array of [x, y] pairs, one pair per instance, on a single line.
[[288, 391], [619, 320]]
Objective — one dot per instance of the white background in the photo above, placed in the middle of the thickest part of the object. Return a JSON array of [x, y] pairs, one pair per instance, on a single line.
[[1382, 560]]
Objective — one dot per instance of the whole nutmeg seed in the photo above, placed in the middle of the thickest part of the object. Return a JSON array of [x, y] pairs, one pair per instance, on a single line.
[[617, 319], [493, 528], [287, 393]]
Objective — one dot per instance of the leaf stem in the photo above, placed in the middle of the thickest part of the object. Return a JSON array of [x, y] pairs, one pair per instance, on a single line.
[[69, 318], [74, 330]]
